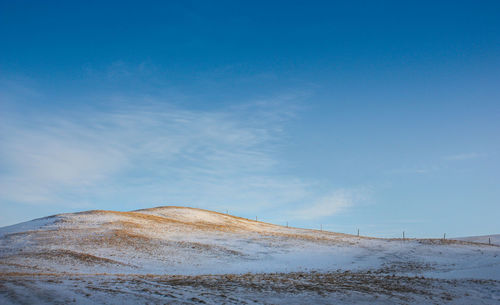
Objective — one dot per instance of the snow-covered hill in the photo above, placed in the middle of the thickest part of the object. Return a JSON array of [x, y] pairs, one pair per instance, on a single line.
[[178, 240], [190, 242]]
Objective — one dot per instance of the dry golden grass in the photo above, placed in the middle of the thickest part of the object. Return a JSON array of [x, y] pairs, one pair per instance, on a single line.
[[66, 255]]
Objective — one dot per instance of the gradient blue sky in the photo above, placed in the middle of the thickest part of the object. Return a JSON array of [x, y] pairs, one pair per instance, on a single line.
[[381, 115]]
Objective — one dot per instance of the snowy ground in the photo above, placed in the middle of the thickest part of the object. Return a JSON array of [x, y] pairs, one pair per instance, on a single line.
[[251, 288], [183, 255]]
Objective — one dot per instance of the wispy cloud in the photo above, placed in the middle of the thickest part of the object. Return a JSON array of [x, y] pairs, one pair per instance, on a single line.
[[415, 170], [152, 154], [427, 169], [336, 202], [141, 151], [465, 156]]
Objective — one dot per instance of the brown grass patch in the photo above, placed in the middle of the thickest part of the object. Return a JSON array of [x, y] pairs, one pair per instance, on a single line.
[[67, 255]]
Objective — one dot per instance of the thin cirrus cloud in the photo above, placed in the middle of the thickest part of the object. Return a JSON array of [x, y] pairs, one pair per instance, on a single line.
[[465, 156], [333, 203], [133, 157], [414, 170]]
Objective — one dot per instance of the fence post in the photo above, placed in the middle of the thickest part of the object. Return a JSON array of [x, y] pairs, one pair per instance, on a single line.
[[321, 227], [255, 218], [489, 240], [358, 232], [403, 235]]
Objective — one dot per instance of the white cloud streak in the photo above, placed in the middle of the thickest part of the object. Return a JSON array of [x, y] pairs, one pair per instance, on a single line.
[[465, 156], [138, 152], [148, 155], [336, 202]]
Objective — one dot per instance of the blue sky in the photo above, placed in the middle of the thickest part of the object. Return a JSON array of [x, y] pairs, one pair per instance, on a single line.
[[382, 116]]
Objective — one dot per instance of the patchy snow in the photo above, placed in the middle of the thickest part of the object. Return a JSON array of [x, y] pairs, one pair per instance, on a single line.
[[33, 225], [277, 288], [191, 242]]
